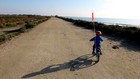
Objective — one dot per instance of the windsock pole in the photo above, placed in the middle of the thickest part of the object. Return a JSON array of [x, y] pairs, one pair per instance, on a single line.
[[94, 30]]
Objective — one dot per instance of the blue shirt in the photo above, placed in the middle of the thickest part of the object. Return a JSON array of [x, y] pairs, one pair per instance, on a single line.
[[98, 41]]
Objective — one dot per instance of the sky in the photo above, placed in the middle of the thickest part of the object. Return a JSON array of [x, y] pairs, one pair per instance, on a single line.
[[125, 9]]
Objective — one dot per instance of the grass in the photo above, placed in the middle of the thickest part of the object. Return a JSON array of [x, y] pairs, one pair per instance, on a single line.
[[29, 24], [127, 32], [8, 36], [8, 25]]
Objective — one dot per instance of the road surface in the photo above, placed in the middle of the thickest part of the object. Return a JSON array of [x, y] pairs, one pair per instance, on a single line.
[[46, 52]]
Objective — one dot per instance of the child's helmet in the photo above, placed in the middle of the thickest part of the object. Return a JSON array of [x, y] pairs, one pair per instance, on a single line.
[[98, 33]]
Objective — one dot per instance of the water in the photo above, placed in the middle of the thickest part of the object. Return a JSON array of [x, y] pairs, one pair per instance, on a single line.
[[129, 22]]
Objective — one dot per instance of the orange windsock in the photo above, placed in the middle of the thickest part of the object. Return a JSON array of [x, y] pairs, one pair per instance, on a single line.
[[92, 16]]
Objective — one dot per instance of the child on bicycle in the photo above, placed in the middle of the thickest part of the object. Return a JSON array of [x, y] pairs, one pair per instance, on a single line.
[[97, 44]]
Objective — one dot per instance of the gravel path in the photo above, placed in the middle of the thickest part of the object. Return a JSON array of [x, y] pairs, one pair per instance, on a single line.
[[47, 52]]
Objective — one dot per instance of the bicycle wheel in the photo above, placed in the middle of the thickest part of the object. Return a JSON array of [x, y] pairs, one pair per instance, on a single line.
[[97, 54]]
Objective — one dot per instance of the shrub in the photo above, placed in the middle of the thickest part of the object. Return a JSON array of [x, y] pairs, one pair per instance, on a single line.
[[29, 24], [2, 26], [22, 29], [2, 38], [20, 23], [8, 36], [10, 25]]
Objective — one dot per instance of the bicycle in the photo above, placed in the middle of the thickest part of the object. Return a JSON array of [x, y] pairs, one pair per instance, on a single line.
[[97, 52]]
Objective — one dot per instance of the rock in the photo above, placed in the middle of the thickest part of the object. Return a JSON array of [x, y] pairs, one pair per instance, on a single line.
[[115, 47]]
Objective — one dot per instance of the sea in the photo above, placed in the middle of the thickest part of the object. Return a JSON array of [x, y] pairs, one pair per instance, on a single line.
[[112, 21]]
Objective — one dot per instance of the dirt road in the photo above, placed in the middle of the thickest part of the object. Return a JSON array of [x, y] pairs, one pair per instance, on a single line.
[[46, 53]]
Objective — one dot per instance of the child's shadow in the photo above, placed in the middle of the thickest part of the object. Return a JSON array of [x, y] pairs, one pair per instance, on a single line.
[[78, 63]]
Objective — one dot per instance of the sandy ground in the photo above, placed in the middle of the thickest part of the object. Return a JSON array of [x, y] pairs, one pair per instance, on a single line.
[[47, 51]]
